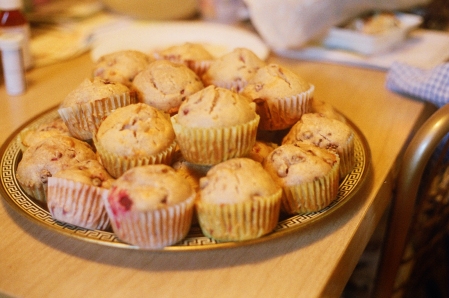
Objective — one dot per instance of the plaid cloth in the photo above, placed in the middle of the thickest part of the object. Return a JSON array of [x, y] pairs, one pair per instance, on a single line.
[[427, 84]]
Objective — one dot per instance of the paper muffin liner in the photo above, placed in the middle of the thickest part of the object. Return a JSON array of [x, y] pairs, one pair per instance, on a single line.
[[77, 203], [116, 165], [152, 229], [240, 221], [347, 158], [37, 192], [84, 120], [312, 196], [282, 113], [209, 146]]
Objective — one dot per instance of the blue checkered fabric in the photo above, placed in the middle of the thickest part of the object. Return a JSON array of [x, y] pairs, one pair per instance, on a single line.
[[426, 84]]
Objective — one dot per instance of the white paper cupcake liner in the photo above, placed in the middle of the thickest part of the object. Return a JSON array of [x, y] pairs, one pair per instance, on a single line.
[[116, 165], [77, 203], [209, 146], [84, 120], [312, 196], [153, 229], [282, 113], [240, 221]]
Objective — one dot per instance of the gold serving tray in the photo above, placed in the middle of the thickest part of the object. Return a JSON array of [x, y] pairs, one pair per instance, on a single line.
[[13, 194]]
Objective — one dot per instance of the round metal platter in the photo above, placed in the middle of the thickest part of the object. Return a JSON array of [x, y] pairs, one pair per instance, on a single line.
[[11, 191]]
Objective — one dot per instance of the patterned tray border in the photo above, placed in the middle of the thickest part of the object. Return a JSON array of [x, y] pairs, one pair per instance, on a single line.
[[195, 240]]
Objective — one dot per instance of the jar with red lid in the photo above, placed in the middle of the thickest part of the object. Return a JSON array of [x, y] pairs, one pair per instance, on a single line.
[[12, 20]]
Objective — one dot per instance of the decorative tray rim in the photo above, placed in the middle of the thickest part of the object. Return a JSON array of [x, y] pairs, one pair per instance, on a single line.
[[195, 240]]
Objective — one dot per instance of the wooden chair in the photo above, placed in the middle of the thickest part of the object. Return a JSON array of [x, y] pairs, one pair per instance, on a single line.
[[418, 225]]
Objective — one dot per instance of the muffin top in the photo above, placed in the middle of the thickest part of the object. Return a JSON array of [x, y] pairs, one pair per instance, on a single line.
[[293, 164], [215, 107], [89, 172], [233, 70], [136, 130], [326, 109], [236, 180], [92, 90], [46, 158], [148, 187], [45, 130], [185, 52], [121, 66], [274, 81], [165, 85], [320, 131]]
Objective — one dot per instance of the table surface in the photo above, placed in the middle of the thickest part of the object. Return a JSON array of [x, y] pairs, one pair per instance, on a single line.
[[315, 261]]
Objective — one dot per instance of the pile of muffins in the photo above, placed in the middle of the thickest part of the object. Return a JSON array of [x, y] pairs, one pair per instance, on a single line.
[[152, 143]]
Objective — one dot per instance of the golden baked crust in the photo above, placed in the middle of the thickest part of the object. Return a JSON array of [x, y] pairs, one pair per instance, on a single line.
[[194, 55], [214, 125], [89, 172], [136, 130], [183, 53], [46, 158], [85, 107], [45, 130], [292, 164], [326, 133], [165, 85], [91, 90], [215, 107], [134, 135], [308, 175], [236, 180], [151, 206], [121, 66], [238, 201], [281, 96], [233, 70]]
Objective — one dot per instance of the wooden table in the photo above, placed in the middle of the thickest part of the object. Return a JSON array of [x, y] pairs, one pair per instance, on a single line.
[[317, 261]]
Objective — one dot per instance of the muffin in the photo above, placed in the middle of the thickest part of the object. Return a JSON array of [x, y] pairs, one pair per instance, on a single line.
[[281, 96], [214, 125], [165, 85], [53, 127], [326, 133], [134, 135], [261, 150], [238, 201], [75, 194], [233, 70], [326, 109], [308, 175], [45, 159], [121, 66], [85, 107], [193, 55], [150, 206]]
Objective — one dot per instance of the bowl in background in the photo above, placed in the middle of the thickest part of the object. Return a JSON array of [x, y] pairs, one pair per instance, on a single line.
[[154, 9]]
